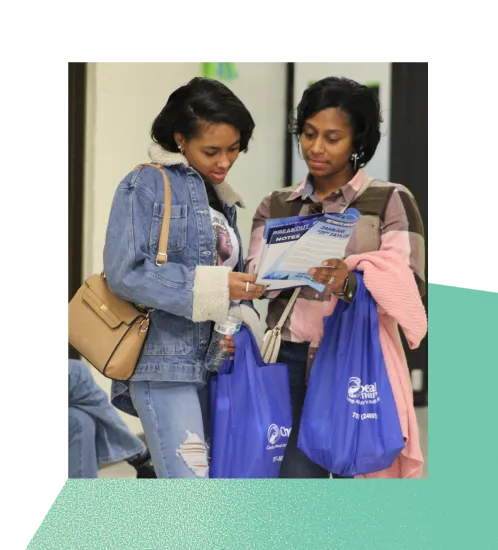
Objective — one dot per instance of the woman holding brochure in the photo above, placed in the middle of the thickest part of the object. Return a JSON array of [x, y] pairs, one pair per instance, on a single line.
[[337, 128], [197, 137]]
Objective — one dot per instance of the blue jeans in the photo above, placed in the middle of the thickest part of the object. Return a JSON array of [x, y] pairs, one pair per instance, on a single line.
[[97, 435], [295, 463], [174, 417]]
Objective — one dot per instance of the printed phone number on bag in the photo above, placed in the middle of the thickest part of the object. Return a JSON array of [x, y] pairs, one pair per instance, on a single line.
[[365, 416]]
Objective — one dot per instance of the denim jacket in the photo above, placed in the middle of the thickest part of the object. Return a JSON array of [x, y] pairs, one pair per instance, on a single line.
[[188, 292]]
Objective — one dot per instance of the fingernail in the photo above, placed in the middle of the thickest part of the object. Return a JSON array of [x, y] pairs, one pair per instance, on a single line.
[[325, 263]]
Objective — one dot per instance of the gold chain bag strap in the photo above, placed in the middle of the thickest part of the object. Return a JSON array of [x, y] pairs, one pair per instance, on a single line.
[[273, 337], [105, 329]]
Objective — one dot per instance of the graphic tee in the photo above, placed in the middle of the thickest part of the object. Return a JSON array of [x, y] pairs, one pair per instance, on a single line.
[[227, 244]]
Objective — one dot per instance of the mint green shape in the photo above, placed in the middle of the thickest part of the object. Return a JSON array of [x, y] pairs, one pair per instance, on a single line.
[[454, 509]]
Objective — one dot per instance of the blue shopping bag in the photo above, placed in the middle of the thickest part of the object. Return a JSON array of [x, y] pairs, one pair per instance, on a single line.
[[350, 424], [250, 414]]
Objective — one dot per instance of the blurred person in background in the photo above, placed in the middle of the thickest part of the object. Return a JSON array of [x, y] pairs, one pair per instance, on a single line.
[[97, 435]]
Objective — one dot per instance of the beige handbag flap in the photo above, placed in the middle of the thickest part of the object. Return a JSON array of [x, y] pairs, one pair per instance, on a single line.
[[107, 305]]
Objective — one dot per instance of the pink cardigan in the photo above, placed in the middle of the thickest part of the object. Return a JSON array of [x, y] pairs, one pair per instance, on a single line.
[[393, 287]]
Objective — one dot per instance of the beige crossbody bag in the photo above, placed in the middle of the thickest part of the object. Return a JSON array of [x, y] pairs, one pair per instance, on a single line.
[[105, 329]]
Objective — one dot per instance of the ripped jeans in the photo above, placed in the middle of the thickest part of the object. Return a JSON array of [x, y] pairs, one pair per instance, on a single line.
[[173, 415]]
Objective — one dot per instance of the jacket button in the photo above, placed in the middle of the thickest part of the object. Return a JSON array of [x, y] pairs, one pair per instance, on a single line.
[[207, 253]]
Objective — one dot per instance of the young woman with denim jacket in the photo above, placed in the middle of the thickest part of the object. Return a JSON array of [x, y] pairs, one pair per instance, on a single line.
[[197, 137]]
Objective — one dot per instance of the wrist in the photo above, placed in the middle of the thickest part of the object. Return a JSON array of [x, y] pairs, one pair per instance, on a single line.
[[349, 289]]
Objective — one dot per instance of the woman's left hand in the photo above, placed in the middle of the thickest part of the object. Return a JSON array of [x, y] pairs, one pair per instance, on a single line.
[[332, 273], [228, 345]]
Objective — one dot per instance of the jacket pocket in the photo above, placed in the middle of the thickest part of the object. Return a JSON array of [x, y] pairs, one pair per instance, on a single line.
[[169, 335], [177, 239]]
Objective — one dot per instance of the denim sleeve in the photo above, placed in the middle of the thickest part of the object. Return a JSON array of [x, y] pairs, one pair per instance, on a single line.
[[199, 293]]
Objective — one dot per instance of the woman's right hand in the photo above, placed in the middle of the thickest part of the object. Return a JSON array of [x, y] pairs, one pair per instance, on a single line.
[[237, 287]]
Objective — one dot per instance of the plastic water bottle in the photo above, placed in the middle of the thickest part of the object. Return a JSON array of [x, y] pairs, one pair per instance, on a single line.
[[215, 356]]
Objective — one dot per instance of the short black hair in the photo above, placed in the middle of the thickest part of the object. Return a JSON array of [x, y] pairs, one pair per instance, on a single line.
[[358, 102], [201, 100]]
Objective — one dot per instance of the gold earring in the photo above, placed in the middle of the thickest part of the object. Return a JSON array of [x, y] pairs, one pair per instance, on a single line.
[[182, 150]]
